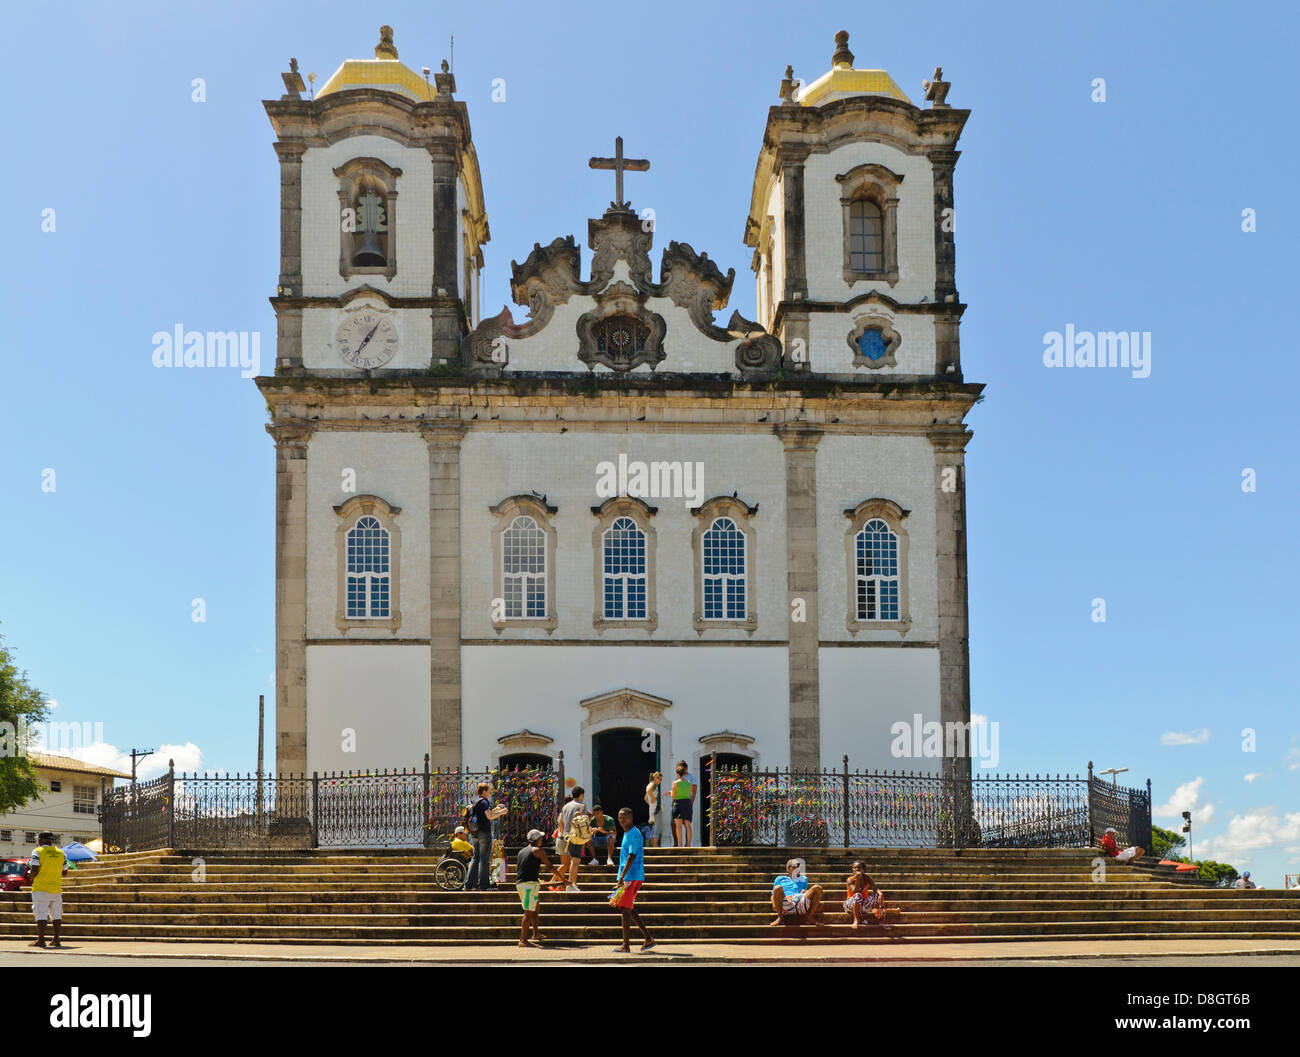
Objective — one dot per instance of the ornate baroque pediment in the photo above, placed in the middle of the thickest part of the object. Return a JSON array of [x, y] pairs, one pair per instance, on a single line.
[[551, 276]]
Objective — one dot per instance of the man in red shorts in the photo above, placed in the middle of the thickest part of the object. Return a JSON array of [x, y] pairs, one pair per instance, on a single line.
[[631, 874]]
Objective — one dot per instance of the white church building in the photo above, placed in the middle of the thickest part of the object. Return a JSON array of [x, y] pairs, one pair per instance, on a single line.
[[620, 523]]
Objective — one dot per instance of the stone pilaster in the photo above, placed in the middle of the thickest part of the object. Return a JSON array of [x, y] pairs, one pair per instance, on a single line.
[[447, 313], [444, 439], [793, 231], [291, 442], [801, 563], [942, 163], [950, 545], [290, 155]]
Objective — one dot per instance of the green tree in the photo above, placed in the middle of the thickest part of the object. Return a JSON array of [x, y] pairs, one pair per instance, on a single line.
[[1165, 842], [21, 704], [1219, 872]]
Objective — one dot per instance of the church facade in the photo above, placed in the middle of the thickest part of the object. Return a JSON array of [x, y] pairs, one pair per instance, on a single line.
[[625, 526]]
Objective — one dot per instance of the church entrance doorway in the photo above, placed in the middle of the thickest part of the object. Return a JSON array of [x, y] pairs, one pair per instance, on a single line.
[[722, 759], [620, 767]]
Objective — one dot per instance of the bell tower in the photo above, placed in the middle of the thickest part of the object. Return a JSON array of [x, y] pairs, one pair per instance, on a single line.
[[852, 225], [382, 222]]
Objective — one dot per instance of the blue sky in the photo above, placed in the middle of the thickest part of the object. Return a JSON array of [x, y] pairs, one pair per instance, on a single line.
[[1116, 215]]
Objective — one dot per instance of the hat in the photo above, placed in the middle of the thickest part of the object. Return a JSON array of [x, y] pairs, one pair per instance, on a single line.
[[1246, 875], [1111, 829], [461, 829], [534, 835]]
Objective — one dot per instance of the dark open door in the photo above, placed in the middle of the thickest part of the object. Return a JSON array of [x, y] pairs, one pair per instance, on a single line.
[[621, 766]]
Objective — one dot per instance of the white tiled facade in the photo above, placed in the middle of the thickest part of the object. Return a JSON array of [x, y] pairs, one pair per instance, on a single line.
[[373, 696]]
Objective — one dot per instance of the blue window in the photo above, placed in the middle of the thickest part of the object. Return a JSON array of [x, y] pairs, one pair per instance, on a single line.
[[367, 578], [625, 571], [873, 344], [523, 568], [877, 572], [724, 571]]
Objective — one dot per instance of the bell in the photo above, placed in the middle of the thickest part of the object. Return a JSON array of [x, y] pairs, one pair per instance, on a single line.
[[370, 254]]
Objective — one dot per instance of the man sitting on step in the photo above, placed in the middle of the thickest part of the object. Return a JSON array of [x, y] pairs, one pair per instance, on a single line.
[[794, 901], [1111, 847]]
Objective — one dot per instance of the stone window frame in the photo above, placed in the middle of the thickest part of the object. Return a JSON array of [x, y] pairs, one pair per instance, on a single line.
[[892, 515], [606, 514], [874, 321], [743, 515], [353, 176], [350, 511], [880, 185], [543, 514]]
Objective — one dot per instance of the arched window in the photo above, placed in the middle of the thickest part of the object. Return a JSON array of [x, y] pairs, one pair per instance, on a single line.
[[866, 236], [877, 580], [368, 543], [368, 585], [523, 569], [523, 560], [876, 548], [724, 571], [368, 204], [869, 199], [624, 576]]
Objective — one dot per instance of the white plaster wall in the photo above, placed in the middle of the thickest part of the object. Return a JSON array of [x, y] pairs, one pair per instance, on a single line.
[[824, 222], [381, 692], [829, 349], [321, 220], [414, 328], [863, 692], [395, 467], [495, 465], [885, 466], [742, 689]]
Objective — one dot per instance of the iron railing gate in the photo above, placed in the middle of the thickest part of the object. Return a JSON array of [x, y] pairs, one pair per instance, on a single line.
[[900, 809], [358, 809]]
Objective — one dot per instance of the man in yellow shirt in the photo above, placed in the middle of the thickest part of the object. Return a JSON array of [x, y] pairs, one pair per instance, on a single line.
[[460, 846], [45, 870]]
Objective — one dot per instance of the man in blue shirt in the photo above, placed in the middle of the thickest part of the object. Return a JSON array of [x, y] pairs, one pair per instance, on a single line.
[[793, 897], [631, 874]]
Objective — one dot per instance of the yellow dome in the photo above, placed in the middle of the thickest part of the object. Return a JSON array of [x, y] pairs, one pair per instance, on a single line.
[[383, 72], [843, 80]]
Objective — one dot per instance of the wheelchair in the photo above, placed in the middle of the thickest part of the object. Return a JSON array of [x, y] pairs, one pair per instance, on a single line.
[[450, 871]]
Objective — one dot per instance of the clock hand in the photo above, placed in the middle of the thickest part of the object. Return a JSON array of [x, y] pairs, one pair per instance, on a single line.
[[366, 340]]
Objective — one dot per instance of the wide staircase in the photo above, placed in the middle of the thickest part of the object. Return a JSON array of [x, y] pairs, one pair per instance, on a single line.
[[697, 894]]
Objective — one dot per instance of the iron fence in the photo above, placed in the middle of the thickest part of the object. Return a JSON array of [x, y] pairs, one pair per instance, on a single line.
[[381, 808], [1127, 810], [899, 809], [814, 808]]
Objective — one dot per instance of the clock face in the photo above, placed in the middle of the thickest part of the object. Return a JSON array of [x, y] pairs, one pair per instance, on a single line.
[[366, 340]]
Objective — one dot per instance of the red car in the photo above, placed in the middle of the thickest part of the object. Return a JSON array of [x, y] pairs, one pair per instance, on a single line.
[[13, 874]]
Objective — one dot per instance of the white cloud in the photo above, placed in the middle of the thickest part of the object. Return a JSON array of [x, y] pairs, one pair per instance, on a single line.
[[1186, 798], [1250, 778], [51, 704], [188, 757], [1292, 758], [1258, 829], [1185, 737]]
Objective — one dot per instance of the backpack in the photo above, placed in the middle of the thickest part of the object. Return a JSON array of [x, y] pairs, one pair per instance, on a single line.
[[469, 820], [580, 829]]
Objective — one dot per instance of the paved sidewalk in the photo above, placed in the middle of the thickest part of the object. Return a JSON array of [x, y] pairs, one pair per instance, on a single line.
[[696, 953]]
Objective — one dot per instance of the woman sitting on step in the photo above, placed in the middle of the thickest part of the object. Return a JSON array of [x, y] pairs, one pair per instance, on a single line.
[[863, 900]]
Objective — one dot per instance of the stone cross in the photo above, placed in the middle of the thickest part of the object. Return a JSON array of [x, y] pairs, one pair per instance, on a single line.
[[618, 163]]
